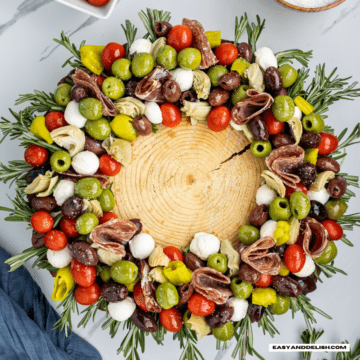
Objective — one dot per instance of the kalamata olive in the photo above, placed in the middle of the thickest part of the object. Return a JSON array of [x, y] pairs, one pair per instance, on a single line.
[[310, 140], [130, 87], [230, 81], [327, 164], [171, 91], [192, 261], [47, 203], [142, 125], [128, 256], [307, 284], [72, 207], [258, 128], [249, 274], [278, 250], [317, 211], [255, 312], [245, 52], [35, 172], [37, 240], [218, 97], [84, 253], [138, 225], [30, 197], [144, 321], [79, 93], [280, 93], [94, 146], [220, 316], [286, 286], [259, 215], [307, 173], [225, 41], [337, 187], [162, 28], [282, 140], [273, 80], [185, 291], [114, 292], [188, 96]]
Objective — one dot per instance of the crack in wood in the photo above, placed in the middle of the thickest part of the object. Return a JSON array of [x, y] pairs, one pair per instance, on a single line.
[[239, 153]]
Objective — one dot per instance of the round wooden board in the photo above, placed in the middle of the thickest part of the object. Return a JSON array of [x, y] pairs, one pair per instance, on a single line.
[[189, 179]]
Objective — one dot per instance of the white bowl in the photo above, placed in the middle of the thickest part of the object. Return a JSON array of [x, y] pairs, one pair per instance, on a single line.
[[101, 12]]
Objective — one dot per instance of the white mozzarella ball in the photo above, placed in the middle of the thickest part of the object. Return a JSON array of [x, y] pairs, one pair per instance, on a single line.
[[85, 163], [240, 308], [141, 246], [321, 196], [72, 115], [153, 112], [63, 190], [203, 245], [297, 113], [265, 195], [268, 228], [122, 310], [265, 58], [140, 46], [308, 268], [59, 259], [184, 78]]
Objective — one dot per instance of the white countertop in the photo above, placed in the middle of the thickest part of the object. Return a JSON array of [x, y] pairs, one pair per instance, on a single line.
[[31, 60]]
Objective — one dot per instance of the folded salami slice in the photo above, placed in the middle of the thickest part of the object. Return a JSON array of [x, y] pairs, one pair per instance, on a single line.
[[89, 83], [254, 105], [316, 238], [150, 88], [284, 162], [201, 42], [258, 256], [211, 284], [71, 174]]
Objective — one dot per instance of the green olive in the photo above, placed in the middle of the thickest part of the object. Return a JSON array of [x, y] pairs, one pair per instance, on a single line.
[[279, 209], [328, 255], [283, 108], [60, 160], [224, 332], [124, 272], [215, 73], [248, 234], [239, 94], [218, 262], [167, 295], [88, 188], [63, 94], [85, 223], [105, 274], [299, 204], [336, 208], [189, 58], [106, 199], [241, 289], [288, 74], [281, 306], [142, 64], [121, 68], [314, 123], [167, 57], [98, 129], [91, 108], [113, 88], [261, 149]]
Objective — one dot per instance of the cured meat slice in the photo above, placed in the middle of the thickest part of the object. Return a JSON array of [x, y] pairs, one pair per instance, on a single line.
[[284, 162], [211, 284], [89, 83], [316, 238], [254, 105], [72, 175], [201, 42], [258, 256]]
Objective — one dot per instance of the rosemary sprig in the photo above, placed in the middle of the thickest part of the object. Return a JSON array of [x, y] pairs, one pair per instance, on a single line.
[[349, 141], [90, 312], [65, 41], [286, 56], [266, 322], [15, 170], [21, 212], [130, 32], [19, 260], [298, 86], [159, 335], [346, 241], [132, 340], [149, 18], [254, 31], [349, 221], [188, 341], [113, 325], [353, 355], [240, 27], [310, 337], [352, 180], [329, 270]]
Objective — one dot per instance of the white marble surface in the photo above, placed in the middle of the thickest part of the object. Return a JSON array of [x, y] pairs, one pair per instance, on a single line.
[[31, 60]]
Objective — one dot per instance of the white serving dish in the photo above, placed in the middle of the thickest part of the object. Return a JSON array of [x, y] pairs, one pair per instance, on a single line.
[[101, 12]]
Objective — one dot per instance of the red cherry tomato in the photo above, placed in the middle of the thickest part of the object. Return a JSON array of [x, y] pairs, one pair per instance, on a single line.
[[42, 222], [226, 54], [199, 305], [180, 37], [68, 227], [98, 2], [299, 187], [171, 320], [36, 155], [294, 258], [264, 281], [109, 166], [99, 81], [275, 126], [219, 118], [55, 120], [171, 115], [55, 240], [334, 229], [328, 145], [87, 295], [139, 297], [112, 51], [84, 275], [173, 253], [107, 216]]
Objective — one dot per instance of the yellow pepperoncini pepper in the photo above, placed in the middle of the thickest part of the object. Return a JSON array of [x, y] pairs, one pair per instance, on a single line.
[[177, 273], [63, 283], [91, 58], [282, 232], [303, 105], [311, 156], [284, 270], [263, 297], [39, 129], [130, 286], [240, 65], [214, 38]]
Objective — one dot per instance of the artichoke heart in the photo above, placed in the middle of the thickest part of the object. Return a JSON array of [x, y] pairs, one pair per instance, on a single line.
[[157, 274], [294, 231], [321, 180], [42, 184], [130, 106], [119, 149], [233, 256], [156, 45], [158, 257], [92, 206], [199, 325], [255, 76], [196, 110], [245, 129], [69, 137], [296, 129], [274, 182], [201, 84]]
